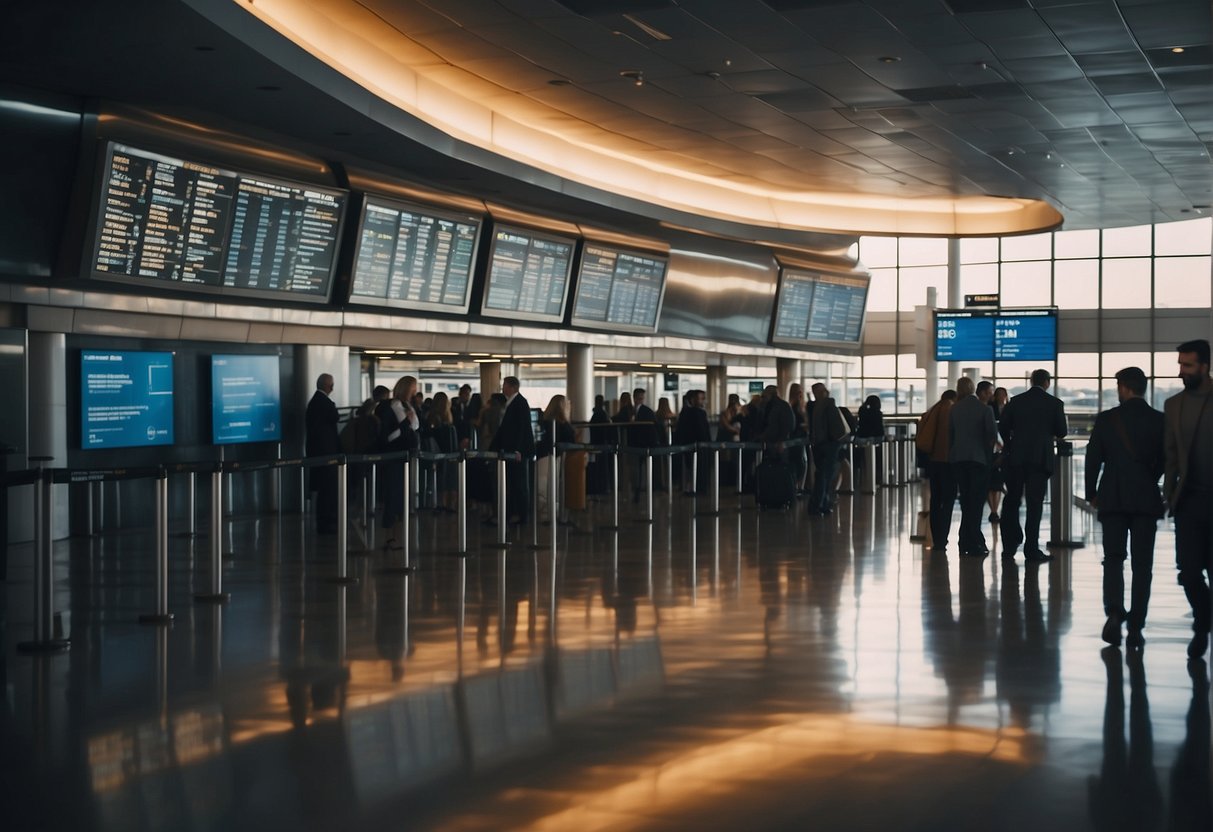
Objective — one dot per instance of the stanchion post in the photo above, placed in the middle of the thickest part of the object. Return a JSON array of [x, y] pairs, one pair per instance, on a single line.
[[216, 595], [406, 523], [161, 615], [715, 480], [343, 526], [553, 490], [695, 472], [869, 467], [648, 478], [462, 508], [501, 504], [740, 472], [533, 467], [1062, 499], [614, 489], [44, 640], [191, 493]]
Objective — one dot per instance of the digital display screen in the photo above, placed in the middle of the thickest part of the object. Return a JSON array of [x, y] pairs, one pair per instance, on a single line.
[[621, 289], [820, 307], [126, 399], [996, 335], [245, 401], [170, 221], [528, 275], [414, 257]]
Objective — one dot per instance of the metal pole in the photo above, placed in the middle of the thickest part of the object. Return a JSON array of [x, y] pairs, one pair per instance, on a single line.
[[343, 526], [405, 521], [869, 468], [276, 482], [161, 615], [501, 505], [369, 519], [190, 510], [533, 466], [740, 470], [715, 481], [462, 508], [669, 478], [614, 489], [553, 508], [695, 472], [216, 595], [648, 477], [45, 640]]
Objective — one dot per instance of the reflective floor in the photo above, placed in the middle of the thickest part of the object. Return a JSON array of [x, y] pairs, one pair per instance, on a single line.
[[747, 671]]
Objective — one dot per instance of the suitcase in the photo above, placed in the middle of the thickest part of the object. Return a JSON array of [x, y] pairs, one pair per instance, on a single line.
[[774, 486]]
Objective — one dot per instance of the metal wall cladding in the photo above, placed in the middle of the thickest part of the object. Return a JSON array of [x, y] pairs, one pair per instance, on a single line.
[[719, 291]]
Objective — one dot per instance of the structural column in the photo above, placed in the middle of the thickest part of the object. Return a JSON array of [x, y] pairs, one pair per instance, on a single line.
[[490, 379], [48, 401], [931, 394], [955, 298], [579, 367], [787, 371], [718, 390]]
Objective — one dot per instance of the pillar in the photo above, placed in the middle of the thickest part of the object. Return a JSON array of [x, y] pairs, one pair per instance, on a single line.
[[579, 367], [48, 400], [335, 361], [955, 297], [931, 394], [787, 372], [490, 379], [718, 389]]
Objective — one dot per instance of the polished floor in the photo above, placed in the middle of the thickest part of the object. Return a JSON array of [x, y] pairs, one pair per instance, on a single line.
[[742, 672]]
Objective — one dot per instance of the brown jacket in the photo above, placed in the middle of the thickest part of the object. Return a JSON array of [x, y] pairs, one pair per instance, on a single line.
[[935, 424]]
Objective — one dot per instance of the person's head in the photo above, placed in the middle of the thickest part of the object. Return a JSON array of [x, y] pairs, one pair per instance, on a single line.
[[1000, 396], [638, 396], [324, 383], [557, 409], [948, 396], [440, 409], [795, 392], [625, 400], [734, 400], [769, 393], [367, 408], [497, 400], [599, 401], [381, 393], [1041, 378], [820, 393], [964, 387], [663, 405], [872, 402], [1193, 362], [1130, 384], [699, 397], [405, 389], [465, 393], [510, 386], [985, 391]]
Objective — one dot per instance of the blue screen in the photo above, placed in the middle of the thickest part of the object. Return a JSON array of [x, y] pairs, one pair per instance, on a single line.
[[964, 336], [126, 399], [1027, 336], [245, 404]]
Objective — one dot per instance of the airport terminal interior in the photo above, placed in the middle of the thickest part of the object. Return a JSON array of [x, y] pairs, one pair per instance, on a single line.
[[214, 209]]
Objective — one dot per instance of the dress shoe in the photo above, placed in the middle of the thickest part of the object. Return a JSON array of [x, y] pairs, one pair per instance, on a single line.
[[1134, 640], [1036, 556], [1198, 645], [1111, 630]]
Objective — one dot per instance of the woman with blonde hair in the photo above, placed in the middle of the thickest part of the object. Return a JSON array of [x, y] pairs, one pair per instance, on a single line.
[[557, 430], [398, 425], [440, 437]]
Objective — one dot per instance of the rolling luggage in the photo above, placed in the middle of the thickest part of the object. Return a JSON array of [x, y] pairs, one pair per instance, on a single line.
[[775, 487]]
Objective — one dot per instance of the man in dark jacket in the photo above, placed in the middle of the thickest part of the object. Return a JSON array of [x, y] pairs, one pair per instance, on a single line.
[[779, 421], [642, 435], [971, 437], [322, 439], [515, 434], [827, 429], [1127, 443], [691, 427], [1029, 425]]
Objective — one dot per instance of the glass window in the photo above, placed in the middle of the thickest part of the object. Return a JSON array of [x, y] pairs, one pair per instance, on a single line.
[[1126, 284], [1127, 242], [1162, 388], [1108, 397], [879, 365], [1027, 284], [1073, 244], [979, 250], [922, 251], [1181, 282], [1076, 284], [886, 390], [1081, 395], [1114, 362], [882, 292], [914, 283], [980, 279], [1014, 375], [1029, 247], [1186, 237], [907, 367], [1166, 362], [878, 252], [1078, 364]]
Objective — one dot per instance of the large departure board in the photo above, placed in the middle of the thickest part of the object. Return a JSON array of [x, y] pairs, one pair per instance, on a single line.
[[173, 222], [528, 275], [820, 307], [619, 289], [414, 257], [996, 334]]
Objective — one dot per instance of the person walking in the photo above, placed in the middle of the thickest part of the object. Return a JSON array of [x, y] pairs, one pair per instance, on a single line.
[[1125, 460], [1188, 483], [323, 439], [827, 429], [515, 435], [971, 437], [933, 437], [1029, 425]]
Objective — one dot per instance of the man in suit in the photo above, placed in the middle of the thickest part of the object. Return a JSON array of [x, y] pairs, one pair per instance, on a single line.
[[971, 437], [778, 421], [691, 427], [1188, 483], [515, 435], [827, 429], [1029, 425], [322, 439], [641, 435], [1127, 443]]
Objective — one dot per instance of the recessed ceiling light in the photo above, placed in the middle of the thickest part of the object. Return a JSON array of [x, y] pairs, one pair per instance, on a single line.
[[560, 82], [636, 76], [889, 59], [1177, 49]]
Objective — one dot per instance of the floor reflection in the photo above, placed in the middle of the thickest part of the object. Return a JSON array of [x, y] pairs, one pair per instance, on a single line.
[[752, 670]]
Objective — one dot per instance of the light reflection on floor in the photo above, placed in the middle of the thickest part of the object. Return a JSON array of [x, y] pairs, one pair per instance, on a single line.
[[743, 671]]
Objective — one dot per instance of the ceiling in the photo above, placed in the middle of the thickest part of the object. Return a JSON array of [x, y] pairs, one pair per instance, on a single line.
[[787, 114]]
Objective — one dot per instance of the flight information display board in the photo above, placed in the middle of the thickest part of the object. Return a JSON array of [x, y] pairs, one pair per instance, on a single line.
[[414, 257], [245, 401], [996, 335], [815, 307], [126, 399], [619, 289], [528, 275], [172, 222]]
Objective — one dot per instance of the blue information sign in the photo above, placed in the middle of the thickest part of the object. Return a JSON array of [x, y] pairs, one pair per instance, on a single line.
[[245, 401], [996, 335], [1030, 335], [126, 399], [964, 336]]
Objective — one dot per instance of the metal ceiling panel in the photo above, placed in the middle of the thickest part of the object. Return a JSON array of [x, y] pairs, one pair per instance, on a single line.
[[1164, 25]]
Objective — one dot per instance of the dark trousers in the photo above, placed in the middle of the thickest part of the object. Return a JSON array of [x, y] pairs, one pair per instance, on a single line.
[[1193, 551], [518, 490], [1124, 534], [972, 484], [1024, 485], [943, 500], [324, 483], [825, 460]]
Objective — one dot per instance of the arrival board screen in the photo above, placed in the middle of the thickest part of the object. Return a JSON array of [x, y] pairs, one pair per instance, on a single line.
[[171, 221], [817, 307], [528, 275], [126, 399], [414, 257], [996, 335], [619, 288], [245, 402]]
